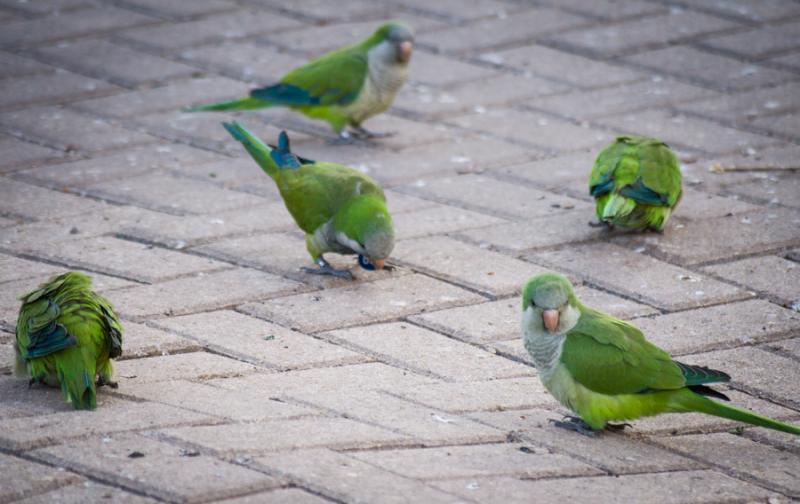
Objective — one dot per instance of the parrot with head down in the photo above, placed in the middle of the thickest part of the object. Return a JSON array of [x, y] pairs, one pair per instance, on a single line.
[[603, 369], [636, 182], [344, 87], [340, 209], [66, 336]]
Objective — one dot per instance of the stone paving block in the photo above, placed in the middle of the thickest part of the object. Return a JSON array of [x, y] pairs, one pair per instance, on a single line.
[[430, 426], [476, 461], [722, 237], [87, 491], [768, 465], [611, 452], [745, 106], [243, 60], [723, 326], [781, 440], [323, 12], [169, 194], [698, 205], [295, 434], [755, 370], [789, 348], [582, 72], [454, 10], [777, 189], [256, 340], [50, 88], [565, 173], [440, 219], [21, 478], [279, 496], [201, 292], [668, 487], [112, 62], [179, 10], [340, 476], [189, 366], [523, 26], [490, 273], [123, 258], [656, 92], [18, 199], [16, 154], [19, 400], [42, 8], [16, 66], [480, 193], [111, 416], [14, 268], [784, 125], [758, 43], [441, 71], [638, 35], [241, 174], [533, 128], [245, 405], [644, 278], [110, 459], [368, 302], [70, 131], [416, 348], [140, 341], [609, 10], [708, 69], [492, 395], [745, 10], [69, 25], [774, 276], [216, 28]]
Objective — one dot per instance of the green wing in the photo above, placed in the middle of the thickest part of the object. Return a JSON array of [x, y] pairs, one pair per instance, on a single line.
[[609, 356], [659, 171]]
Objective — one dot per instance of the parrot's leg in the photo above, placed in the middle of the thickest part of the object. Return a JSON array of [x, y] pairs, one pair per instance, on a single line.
[[617, 427], [599, 224], [363, 133], [575, 424], [102, 382], [326, 269]]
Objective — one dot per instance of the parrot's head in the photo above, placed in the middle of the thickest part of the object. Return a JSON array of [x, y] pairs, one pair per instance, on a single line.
[[398, 39], [364, 226], [549, 304]]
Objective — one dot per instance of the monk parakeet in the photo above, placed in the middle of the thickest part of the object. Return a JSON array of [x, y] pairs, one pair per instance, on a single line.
[[340, 209], [604, 369], [636, 182], [344, 87], [66, 335]]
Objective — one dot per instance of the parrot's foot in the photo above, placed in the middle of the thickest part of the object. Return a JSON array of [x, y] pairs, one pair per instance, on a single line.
[[598, 224], [102, 382], [326, 269], [617, 427], [365, 134], [575, 424]]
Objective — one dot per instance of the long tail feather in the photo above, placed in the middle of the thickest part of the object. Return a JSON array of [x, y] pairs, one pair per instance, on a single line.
[[694, 402], [617, 208], [260, 151], [76, 373], [247, 103]]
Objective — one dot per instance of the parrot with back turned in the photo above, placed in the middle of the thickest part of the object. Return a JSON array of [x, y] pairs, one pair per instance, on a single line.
[[340, 209], [344, 87], [636, 182], [604, 369], [66, 336]]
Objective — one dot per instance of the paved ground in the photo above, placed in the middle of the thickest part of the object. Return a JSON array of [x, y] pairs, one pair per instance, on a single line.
[[243, 378]]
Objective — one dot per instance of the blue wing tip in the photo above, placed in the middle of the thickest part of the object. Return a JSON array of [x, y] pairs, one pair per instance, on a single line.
[[283, 142]]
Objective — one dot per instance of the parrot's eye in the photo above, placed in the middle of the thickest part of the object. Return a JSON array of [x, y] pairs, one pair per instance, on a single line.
[[365, 263]]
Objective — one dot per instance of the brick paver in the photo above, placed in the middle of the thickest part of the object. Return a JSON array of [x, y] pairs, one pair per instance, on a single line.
[[246, 380]]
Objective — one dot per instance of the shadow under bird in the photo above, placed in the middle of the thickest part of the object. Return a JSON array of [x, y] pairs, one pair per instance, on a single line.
[[66, 336], [344, 87], [340, 209], [603, 369], [636, 182]]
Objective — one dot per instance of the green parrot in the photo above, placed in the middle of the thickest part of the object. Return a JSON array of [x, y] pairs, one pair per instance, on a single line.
[[636, 182], [604, 369], [340, 209], [344, 87], [67, 334]]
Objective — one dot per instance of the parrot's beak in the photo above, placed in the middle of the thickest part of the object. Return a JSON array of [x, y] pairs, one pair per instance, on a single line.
[[379, 263], [550, 319], [404, 51]]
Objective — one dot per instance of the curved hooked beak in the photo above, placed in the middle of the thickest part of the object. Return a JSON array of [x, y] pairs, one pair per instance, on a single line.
[[404, 51], [550, 319]]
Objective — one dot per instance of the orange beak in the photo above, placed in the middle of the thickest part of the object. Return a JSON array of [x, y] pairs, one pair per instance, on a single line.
[[404, 51], [550, 319], [379, 263]]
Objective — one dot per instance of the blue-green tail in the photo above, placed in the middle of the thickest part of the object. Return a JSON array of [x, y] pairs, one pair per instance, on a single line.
[[247, 103], [694, 402]]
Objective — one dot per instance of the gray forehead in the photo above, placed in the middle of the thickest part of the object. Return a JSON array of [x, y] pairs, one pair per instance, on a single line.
[[400, 32], [550, 294]]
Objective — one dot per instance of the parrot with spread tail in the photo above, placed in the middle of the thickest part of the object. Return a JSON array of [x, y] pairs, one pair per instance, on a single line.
[[636, 182], [604, 370], [344, 87], [66, 336], [340, 209]]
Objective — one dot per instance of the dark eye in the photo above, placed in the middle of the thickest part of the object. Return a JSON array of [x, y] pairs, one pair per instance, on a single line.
[[365, 263]]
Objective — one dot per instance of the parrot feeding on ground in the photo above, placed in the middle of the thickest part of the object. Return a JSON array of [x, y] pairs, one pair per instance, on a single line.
[[344, 87], [603, 369], [66, 335], [340, 209], [636, 182]]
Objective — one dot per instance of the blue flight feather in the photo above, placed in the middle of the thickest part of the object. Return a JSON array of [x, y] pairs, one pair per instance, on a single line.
[[643, 194], [285, 94]]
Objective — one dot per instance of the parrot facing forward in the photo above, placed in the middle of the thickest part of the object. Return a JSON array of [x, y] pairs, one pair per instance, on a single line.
[[344, 87], [66, 335], [604, 369], [636, 182], [340, 209]]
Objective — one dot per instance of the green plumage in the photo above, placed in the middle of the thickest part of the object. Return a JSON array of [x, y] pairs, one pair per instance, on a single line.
[[605, 370], [636, 183], [66, 336]]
